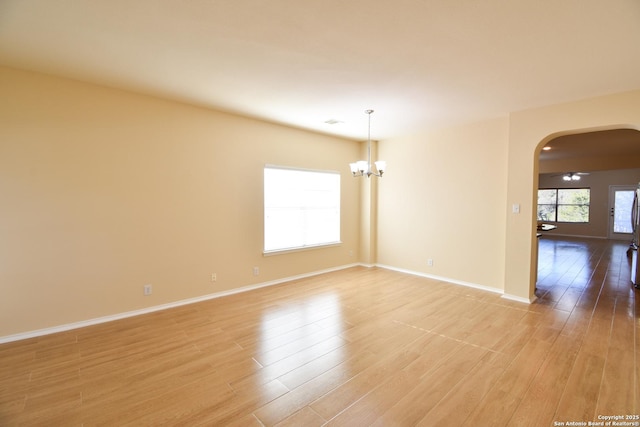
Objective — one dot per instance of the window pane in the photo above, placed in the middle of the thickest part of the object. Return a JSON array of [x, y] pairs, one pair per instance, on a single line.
[[622, 211], [326, 227], [564, 204], [573, 196], [547, 212], [283, 228], [546, 197], [573, 213], [301, 208]]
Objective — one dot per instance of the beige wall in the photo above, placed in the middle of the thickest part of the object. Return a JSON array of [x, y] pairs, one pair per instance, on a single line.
[[444, 199], [449, 194], [598, 182], [528, 131], [103, 191]]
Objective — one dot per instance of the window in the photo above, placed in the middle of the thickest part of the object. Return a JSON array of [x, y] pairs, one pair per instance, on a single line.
[[564, 204], [301, 208]]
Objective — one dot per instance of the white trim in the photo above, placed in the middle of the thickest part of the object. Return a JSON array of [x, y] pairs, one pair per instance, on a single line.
[[519, 299], [105, 319], [443, 279], [301, 248], [118, 316], [296, 168], [462, 283]]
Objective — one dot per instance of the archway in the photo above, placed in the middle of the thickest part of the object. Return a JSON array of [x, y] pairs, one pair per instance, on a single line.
[[592, 160]]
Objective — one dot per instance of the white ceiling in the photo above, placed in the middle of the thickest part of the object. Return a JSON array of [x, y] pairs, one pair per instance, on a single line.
[[417, 63]]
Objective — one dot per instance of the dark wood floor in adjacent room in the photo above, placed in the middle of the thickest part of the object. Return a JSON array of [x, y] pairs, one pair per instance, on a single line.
[[355, 347]]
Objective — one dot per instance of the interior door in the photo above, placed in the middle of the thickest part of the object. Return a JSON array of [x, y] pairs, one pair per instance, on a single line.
[[620, 204]]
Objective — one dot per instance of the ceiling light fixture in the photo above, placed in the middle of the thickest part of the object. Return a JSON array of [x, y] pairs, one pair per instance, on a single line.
[[363, 167], [571, 177]]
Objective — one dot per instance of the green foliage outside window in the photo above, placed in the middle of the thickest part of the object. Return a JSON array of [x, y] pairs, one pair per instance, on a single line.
[[564, 204]]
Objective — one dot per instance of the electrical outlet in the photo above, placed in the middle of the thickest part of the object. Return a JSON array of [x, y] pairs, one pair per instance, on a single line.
[[256, 271], [430, 262], [214, 277], [148, 289]]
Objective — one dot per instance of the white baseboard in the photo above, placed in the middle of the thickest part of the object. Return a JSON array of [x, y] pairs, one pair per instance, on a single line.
[[442, 279], [519, 299], [467, 284], [368, 265], [118, 316]]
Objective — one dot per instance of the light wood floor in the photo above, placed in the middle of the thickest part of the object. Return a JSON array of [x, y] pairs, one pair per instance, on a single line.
[[356, 347]]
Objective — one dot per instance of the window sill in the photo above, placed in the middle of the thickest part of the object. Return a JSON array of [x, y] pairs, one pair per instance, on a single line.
[[300, 249]]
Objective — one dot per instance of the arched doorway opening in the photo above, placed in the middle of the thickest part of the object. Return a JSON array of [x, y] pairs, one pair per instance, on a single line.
[[590, 164]]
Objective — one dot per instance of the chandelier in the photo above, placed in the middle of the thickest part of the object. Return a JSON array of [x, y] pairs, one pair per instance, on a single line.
[[363, 167]]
